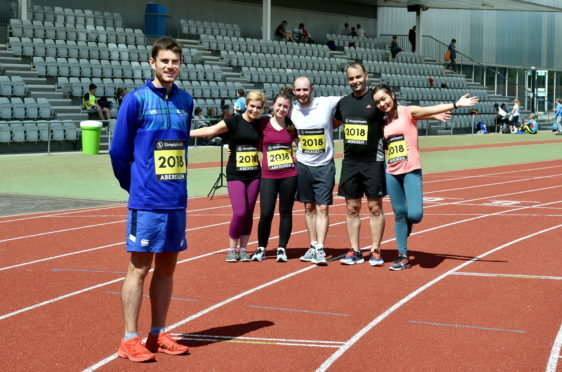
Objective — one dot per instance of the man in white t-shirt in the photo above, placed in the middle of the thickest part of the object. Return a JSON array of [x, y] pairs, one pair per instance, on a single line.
[[313, 118]]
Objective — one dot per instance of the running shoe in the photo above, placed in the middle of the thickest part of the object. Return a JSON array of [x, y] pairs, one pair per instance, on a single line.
[[259, 255], [319, 258], [400, 263], [135, 350], [164, 343], [281, 255], [232, 256], [352, 258], [244, 256], [309, 255], [376, 259]]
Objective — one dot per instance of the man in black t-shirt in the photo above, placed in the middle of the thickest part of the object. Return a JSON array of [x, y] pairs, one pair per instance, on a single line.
[[362, 170]]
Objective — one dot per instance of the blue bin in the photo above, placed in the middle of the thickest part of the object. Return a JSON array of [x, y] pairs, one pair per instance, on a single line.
[[155, 20]]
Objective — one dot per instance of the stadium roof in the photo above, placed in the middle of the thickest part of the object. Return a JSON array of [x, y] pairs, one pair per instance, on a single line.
[[516, 5]]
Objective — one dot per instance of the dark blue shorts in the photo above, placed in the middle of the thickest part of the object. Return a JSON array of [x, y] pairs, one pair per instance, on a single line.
[[316, 184], [156, 231]]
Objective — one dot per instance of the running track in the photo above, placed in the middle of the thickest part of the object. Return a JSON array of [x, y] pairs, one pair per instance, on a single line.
[[485, 293]]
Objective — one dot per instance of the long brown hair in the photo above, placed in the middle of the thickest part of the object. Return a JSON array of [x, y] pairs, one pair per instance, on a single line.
[[388, 90], [288, 123]]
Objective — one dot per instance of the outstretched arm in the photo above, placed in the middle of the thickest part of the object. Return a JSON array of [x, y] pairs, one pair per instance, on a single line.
[[419, 112], [442, 117], [213, 130]]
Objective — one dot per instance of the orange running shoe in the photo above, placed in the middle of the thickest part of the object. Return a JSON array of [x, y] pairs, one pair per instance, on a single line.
[[134, 350], [164, 343]]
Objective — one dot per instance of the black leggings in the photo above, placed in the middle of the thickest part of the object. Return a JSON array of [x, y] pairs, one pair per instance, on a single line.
[[269, 189]]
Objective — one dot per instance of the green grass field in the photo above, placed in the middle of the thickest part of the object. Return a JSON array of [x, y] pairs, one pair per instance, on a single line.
[[76, 175]]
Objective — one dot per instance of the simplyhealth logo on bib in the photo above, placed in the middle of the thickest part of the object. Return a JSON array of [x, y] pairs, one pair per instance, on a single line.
[[169, 160]]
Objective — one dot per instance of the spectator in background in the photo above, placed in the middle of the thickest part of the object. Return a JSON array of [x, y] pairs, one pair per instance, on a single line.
[[199, 120], [412, 38], [353, 32], [430, 81], [301, 35], [360, 31], [452, 48], [281, 33], [558, 116], [119, 95], [267, 110], [212, 113], [90, 103], [514, 116], [240, 103], [346, 31], [502, 122], [530, 125], [225, 114], [394, 48]]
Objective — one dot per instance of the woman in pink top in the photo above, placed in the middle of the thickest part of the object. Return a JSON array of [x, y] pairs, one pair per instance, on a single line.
[[403, 163], [278, 176]]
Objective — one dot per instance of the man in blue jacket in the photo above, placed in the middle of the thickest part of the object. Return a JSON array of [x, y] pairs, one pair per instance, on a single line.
[[149, 158]]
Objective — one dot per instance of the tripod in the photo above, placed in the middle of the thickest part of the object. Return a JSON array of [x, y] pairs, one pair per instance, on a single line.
[[220, 179]]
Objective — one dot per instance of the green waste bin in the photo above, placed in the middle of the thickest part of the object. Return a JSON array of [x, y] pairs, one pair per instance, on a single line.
[[91, 136]]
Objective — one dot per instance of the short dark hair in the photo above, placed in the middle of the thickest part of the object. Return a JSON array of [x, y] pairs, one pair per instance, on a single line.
[[198, 110], [240, 92], [92, 86], [284, 21], [356, 64], [166, 43], [453, 41]]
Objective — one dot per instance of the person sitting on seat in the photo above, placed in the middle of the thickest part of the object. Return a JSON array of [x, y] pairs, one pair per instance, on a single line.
[[530, 125], [281, 33], [394, 48], [90, 103]]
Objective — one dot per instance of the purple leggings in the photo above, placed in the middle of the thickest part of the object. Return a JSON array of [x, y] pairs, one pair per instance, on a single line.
[[243, 196]]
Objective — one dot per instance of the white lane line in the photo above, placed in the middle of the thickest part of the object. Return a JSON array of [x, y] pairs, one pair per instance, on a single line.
[[59, 256], [255, 217], [486, 175], [32, 307], [220, 304], [517, 276], [277, 343], [257, 338], [59, 231], [334, 357], [494, 184], [33, 216], [296, 310], [90, 226], [555, 352], [209, 309], [466, 326]]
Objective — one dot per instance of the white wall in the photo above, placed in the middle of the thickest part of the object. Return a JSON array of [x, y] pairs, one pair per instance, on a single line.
[[495, 37]]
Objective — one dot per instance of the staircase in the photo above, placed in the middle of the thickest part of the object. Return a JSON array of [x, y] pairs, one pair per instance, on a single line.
[[39, 86]]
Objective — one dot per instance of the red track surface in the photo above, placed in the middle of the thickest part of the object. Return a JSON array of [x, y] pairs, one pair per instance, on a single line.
[[435, 316]]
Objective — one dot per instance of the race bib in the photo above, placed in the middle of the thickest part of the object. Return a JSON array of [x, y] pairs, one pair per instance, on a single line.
[[169, 160], [356, 131], [246, 158], [312, 141], [279, 157], [397, 150]]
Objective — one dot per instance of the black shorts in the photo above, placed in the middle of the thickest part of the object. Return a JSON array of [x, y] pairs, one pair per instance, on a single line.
[[316, 184], [360, 178]]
